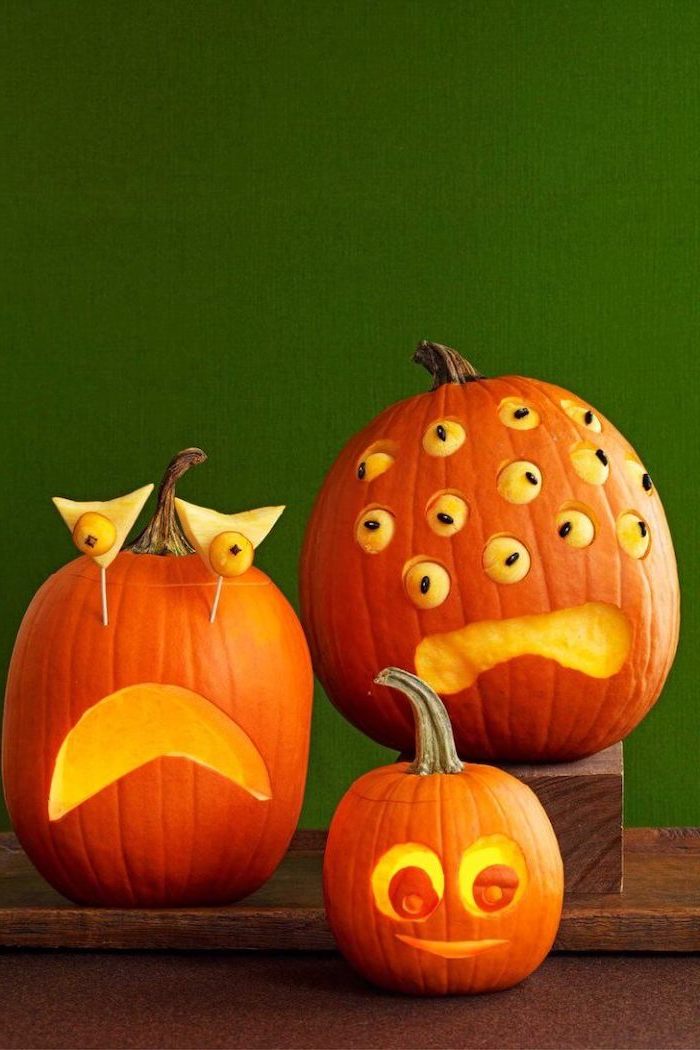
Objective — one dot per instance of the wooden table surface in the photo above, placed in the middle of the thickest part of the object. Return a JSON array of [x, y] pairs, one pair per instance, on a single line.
[[172, 1000]]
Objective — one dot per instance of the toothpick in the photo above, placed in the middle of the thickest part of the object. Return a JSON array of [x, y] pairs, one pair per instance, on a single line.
[[215, 603], [103, 589]]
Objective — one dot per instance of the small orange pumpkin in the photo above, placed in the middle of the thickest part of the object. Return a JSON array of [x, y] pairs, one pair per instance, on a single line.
[[440, 877], [501, 538], [159, 760]]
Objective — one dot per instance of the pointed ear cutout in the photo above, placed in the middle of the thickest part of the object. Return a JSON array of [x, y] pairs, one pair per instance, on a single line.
[[122, 512], [202, 525]]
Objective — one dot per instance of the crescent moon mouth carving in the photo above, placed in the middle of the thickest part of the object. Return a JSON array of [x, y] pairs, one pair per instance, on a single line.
[[135, 725]]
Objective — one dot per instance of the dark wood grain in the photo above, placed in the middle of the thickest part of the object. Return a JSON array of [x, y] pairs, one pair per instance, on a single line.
[[659, 909], [583, 800]]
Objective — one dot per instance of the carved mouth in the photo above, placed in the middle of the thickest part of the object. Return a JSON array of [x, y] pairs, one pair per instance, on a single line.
[[450, 949], [137, 724], [594, 639]]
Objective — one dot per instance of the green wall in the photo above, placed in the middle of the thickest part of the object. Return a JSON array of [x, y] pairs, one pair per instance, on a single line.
[[228, 224]]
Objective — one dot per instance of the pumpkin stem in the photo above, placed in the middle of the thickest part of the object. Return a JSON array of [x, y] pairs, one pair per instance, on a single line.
[[164, 535], [444, 364], [435, 744]]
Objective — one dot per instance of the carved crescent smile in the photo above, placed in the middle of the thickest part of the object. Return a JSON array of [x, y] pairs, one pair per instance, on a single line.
[[450, 949], [594, 638], [140, 723]]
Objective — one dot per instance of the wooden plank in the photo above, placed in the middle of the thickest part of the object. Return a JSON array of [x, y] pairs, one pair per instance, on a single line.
[[659, 909], [583, 800]]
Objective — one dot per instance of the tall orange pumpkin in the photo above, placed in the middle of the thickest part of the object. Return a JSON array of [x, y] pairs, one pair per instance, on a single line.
[[504, 540], [441, 878], [160, 760]]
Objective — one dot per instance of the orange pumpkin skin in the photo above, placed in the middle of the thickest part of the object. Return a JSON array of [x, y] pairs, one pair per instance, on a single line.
[[448, 813], [358, 616], [171, 832]]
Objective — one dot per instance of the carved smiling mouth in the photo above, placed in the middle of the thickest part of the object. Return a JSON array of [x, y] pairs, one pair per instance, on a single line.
[[137, 724], [594, 639], [450, 949]]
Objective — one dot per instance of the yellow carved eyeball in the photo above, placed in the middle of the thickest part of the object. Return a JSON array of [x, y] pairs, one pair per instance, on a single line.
[[520, 482], [590, 463], [375, 529], [230, 554], [518, 414], [373, 465], [447, 513], [633, 534], [505, 559], [444, 437], [427, 584], [94, 534], [575, 527], [638, 475], [585, 417]]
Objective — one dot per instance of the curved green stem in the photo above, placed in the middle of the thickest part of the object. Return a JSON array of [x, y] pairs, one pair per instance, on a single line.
[[435, 743]]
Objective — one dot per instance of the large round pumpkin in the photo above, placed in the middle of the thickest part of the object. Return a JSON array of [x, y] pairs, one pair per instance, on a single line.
[[504, 540], [441, 878], [159, 760]]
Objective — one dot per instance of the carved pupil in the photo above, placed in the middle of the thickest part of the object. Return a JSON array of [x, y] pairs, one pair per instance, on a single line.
[[361, 471], [90, 540], [446, 519], [520, 413], [642, 527], [601, 456], [425, 584], [495, 887], [371, 524], [565, 529], [647, 483], [412, 894], [531, 477], [588, 418], [441, 432], [512, 558], [235, 549]]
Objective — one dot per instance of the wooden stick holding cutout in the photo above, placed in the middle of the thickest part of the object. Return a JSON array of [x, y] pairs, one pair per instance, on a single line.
[[225, 542], [99, 529]]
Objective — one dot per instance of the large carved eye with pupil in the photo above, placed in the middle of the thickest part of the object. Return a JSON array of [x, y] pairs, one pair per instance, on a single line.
[[427, 583], [447, 513], [374, 529], [495, 887], [412, 894], [443, 437]]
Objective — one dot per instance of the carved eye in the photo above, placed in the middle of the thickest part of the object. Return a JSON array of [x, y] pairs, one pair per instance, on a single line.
[[447, 513], [585, 417], [375, 460], [575, 526], [505, 559], [375, 529], [492, 875], [427, 583], [443, 437], [408, 882], [520, 482], [517, 414], [590, 463], [633, 534], [639, 477]]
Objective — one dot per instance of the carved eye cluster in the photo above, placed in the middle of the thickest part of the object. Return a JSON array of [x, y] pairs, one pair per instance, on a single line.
[[505, 558], [408, 881]]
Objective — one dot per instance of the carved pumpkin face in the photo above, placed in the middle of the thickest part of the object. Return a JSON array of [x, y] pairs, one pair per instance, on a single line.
[[447, 882], [155, 761], [503, 539]]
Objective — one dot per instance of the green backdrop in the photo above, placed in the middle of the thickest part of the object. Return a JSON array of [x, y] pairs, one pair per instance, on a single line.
[[228, 224]]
